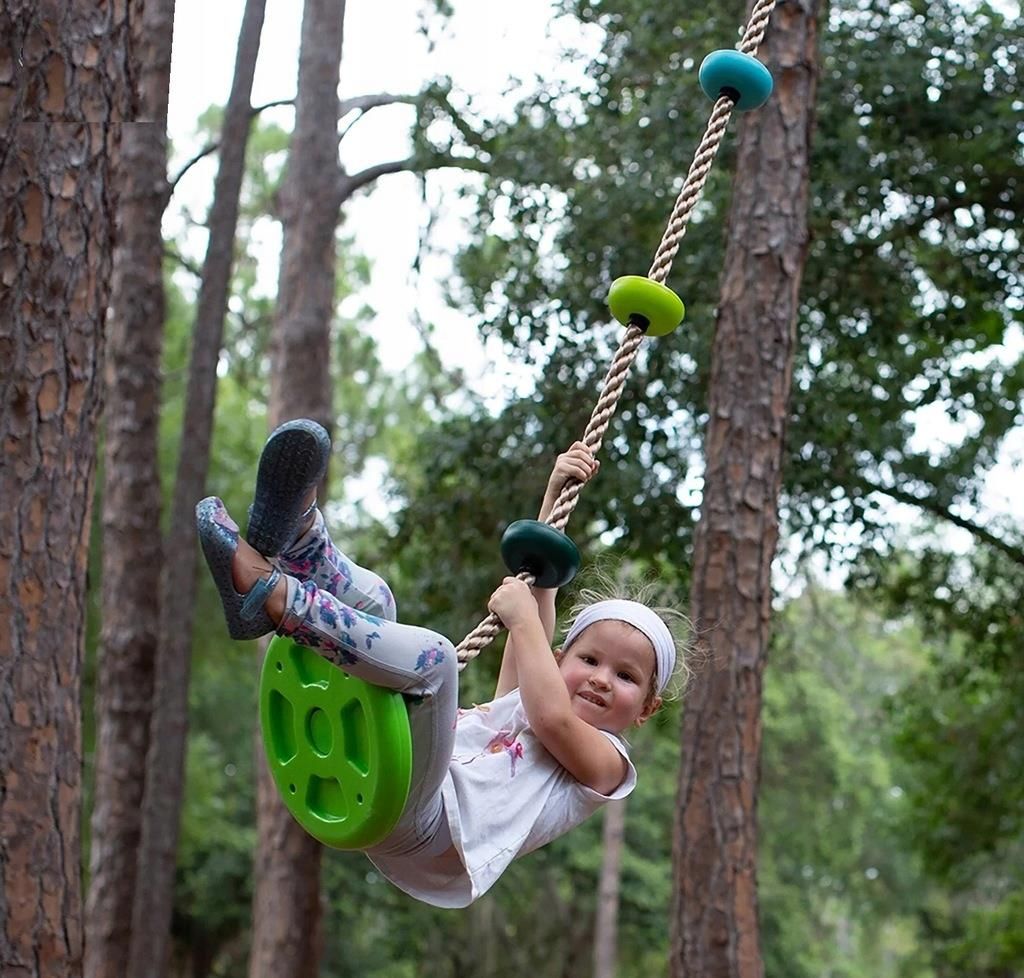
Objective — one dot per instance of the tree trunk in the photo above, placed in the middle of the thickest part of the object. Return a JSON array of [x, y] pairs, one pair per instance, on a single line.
[[714, 924], [300, 378], [131, 508], [286, 897], [606, 924], [286, 890], [65, 91], [482, 927], [165, 764]]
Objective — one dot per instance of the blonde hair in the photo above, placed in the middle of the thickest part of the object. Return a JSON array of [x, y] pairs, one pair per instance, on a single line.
[[600, 583]]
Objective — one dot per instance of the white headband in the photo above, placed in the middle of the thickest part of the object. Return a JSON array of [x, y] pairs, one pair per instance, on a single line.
[[640, 617]]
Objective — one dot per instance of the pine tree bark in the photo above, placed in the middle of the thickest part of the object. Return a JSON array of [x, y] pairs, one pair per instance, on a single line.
[[714, 921], [287, 916], [65, 92], [165, 763], [131, 506], [606, 920]]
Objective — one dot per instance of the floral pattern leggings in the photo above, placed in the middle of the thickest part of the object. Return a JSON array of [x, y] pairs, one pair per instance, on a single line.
[[348, 614]]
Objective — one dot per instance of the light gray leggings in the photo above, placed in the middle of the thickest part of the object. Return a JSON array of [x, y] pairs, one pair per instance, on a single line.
[[347, 613]]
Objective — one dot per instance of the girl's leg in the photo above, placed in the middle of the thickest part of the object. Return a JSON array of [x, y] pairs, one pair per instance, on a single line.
[[417, 662], [313, 557]]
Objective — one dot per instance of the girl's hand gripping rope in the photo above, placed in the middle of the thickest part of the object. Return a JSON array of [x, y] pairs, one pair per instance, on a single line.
[[577, 462], [513, 603]]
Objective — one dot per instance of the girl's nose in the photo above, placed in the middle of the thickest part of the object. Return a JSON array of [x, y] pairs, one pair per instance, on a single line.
[[600, 678]]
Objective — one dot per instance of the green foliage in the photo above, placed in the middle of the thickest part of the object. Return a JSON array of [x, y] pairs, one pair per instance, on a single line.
[[993, 939], [960, 739], [911, 315], [910, 289], [217, 831], [837, 887], [213, 882], [913, 280]]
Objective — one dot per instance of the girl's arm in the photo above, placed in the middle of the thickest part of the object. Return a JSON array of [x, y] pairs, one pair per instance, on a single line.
[[580, 748], [508, 675], [576, 463]]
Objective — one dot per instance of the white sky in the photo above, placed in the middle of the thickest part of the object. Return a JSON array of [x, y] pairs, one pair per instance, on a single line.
[[491, 43]]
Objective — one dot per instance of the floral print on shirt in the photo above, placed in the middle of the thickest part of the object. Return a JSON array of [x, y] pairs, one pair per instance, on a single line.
[[506, 741]]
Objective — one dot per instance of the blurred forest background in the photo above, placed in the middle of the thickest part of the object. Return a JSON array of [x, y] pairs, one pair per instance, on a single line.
[[891, 803]]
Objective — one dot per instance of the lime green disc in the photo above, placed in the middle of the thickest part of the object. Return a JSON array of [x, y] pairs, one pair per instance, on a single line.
[[339, 749], [634, 298]]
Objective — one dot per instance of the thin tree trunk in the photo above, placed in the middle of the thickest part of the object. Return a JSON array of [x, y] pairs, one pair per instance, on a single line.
[[286, 890], [300, 377], [482, 940], [201, 956], [65, 91], [606, 923], [131, 507], [165, 764], [286, 898], [714, 921]]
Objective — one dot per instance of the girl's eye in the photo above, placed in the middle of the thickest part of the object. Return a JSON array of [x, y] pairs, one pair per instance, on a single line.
[[627, 677], [589, 660]]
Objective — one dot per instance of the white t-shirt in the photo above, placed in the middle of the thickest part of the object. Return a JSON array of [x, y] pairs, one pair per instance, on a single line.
[[504, 796]]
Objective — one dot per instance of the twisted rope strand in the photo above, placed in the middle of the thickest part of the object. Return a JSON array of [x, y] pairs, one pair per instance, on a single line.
[[600, 418], [692, 188], [753, 35], [486, 632], [612, 385]]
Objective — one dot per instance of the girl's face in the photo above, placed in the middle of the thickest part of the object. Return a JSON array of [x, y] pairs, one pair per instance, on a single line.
[[608, 671]]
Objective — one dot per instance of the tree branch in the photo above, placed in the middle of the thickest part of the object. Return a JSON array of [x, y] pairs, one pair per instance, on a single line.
[[212, 147], [366, 102], [202, 154], [933, 506], [171, 252], [363, 103], [270, 105], [350, 183], [468, 133]]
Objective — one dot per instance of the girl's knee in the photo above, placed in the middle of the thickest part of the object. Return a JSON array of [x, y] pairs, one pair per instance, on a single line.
[[437, 663]]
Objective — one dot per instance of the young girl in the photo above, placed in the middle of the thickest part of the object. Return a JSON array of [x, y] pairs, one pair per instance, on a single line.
[[490, 783]]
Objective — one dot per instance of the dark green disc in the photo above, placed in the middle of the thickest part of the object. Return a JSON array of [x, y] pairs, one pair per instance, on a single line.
[[545, 552]]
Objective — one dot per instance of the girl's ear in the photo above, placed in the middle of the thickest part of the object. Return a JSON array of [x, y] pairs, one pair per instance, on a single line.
[[650, 708], [559, 655]]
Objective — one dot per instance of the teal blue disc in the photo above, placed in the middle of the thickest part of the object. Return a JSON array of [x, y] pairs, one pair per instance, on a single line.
[[740, 76]]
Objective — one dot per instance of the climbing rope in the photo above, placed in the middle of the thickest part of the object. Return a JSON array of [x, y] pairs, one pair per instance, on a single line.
[[614, 381]]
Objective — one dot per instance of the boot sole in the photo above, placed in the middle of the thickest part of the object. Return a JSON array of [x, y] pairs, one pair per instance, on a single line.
[[294, 460]]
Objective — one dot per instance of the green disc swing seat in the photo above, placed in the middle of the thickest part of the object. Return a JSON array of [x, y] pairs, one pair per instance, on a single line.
[[339, 749]]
